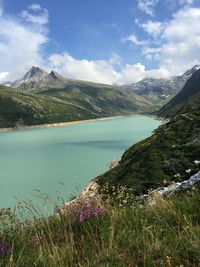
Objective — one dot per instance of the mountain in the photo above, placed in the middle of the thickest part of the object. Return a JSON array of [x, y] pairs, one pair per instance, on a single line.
[[18, 109], [161, 90], [186, 99], [29, 81], [41, 97], [171, 153], [89, 100], [37, 78], [34, 73]]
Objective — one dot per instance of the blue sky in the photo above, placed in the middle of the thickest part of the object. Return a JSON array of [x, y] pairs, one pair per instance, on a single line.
[[108, 41]]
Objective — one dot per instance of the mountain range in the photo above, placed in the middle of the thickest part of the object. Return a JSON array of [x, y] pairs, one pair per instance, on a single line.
[[41, 97], [161, 91]]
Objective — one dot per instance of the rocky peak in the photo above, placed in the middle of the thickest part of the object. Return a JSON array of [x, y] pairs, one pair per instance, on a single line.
[[53, 75], [33, 72], [191, 71]]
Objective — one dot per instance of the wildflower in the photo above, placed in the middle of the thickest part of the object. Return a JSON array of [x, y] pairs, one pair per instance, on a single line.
[[88, 211], [36, 240], [4, 248]]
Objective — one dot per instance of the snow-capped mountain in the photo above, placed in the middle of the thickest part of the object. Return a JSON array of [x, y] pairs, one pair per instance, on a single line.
[[161, 89]]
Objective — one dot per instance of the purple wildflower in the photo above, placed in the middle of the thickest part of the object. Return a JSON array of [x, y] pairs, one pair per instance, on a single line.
[[88, 211], [4, 248]]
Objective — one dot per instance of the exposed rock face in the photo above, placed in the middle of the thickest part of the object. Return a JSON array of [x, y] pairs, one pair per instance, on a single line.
[[175, 187], [161, 89]]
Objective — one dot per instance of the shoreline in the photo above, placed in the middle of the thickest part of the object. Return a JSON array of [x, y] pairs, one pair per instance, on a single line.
[[50, 125], [162, 120], [60, 124]]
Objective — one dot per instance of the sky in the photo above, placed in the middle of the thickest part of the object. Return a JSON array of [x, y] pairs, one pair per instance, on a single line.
[[104, 41]]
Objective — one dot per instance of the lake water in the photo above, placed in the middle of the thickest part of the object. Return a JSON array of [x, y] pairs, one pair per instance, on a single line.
[[58, 160]]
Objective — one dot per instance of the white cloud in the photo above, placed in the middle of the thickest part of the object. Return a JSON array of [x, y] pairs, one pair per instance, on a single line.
[[134, 40], [152, 27], [102, 71], [136, 72], [147, 6], [179, 39], [174, 4], [36, 14], [3, 75], [95, 71], [35, 7], [20, 45]]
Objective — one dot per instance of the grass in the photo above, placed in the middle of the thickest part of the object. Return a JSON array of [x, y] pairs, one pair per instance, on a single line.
[[105, 234], [64, 105], [156, 161]]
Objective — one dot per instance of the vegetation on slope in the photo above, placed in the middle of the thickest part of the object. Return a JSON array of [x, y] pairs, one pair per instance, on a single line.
[[93, 234], [183, 101], [18, 109], [100, 98], [169, 152], [68, 104]]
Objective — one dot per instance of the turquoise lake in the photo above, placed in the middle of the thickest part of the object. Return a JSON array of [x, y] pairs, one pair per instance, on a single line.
[[59, 161]]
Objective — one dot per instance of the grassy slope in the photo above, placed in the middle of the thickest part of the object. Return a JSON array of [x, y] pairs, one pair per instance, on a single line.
[[181, 102], [18, 108], [100, 98], [83, 101], [164, 235], [171, 150]]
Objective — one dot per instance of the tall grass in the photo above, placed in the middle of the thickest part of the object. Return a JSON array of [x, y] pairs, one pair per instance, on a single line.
[[98, 234]]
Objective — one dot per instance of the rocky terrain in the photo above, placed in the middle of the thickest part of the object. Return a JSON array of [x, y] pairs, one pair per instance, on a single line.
[[161, 91]]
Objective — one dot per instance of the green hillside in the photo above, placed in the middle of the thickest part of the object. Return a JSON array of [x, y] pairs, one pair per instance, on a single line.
[[40, 98], [62, 105], [169, 152], [18, 109], [185, 101], [100, 98]]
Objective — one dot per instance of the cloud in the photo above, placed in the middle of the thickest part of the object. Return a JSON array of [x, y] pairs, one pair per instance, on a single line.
[[147, 6], [174, 4], [35, 7], [20, 44], [134, 40], [36, 14], [3, 75], [175, 44], [182, 40], [153, 28], [95, 71], [102, 71], [136, 72]]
